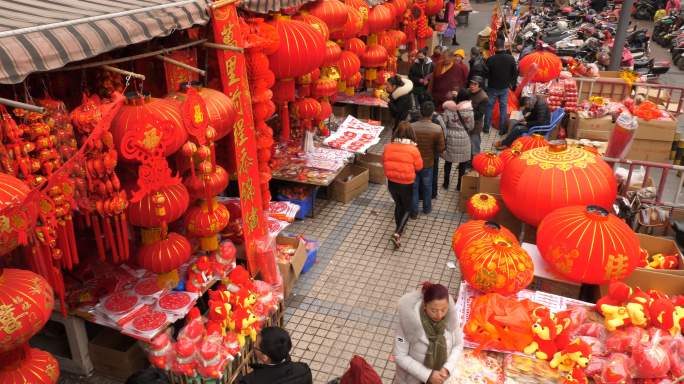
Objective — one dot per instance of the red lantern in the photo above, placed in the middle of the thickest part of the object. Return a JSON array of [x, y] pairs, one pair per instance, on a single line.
[[332, 12], [324, 87], [326, 111], [29, 365], [388, 41], [348, 64], [547, 178], [364, 10], [482, 206], [399, 8], [549, 65], [332, 53], [26, 302], [175, 202], [433, 7], [16, 217], [165, 255], [476, 230], [525, 143], [207, 183], [399, 36], [355, 45], [374, 56], [488, 164], [315, 22], [352, 27], [220, 109], [140, 109], [588, 245], [380, 18], [508, 154], [496, 265], [205, 221]]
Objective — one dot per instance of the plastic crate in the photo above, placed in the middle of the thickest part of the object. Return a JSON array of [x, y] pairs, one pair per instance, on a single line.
[[305, 205], [312, 254]]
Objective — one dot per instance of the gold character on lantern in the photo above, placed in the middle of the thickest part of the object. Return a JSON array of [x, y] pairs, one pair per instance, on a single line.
[[152, 138], [199, 116], [9, 323]]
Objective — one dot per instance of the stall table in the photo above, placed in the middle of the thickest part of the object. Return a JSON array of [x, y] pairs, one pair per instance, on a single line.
[[364, 100]]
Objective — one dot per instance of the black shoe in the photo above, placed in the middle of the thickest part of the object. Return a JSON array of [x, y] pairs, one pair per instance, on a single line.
[[434, 197], [445, 185], [413, 216], [456, 43]]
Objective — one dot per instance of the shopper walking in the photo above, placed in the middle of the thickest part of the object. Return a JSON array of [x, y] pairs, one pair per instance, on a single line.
[[401, 160], [449, 77], [477, 64], [449, 35], [429, 340], [420, 74], [479, 101], [459, 120], [430, 139], [503, 75], [439, 120], [273, 364], [399, 100]]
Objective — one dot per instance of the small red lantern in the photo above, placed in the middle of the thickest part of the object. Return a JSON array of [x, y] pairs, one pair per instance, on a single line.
[[165, 255], [399, 8], [547, 178], [508, 154], [315, 22], [332, 12], [488, 164], [549, 65], [476, 230], [525, 143], [380, 18], [399, 36], [324, 87], [482, 206], [588, 245], [206, 183], [174, 203], [352, 27], [306, 110], [348, 64], [16, 217], [205, 221], [375, 56], [326, 111], [332, 53], [496, 265], [387, 40], [29, 365], [355, 45]]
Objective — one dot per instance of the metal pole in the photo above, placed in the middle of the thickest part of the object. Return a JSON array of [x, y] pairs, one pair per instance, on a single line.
[[17, 104], [620, 35]]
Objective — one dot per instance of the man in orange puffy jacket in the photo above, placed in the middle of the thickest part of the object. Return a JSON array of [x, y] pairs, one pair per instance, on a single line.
[[401, 160]]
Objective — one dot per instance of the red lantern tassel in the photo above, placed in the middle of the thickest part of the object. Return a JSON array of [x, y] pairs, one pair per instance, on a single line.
[[98, 238], [119, 239], [63, 245], [124, 230], [72, 239], [109, 235]]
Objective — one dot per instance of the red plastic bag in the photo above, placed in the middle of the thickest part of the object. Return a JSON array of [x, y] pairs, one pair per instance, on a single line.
[[623, 340], [595, 330], [651, 359], [616, 370], [597, 346], [360, 372], [677, 357]]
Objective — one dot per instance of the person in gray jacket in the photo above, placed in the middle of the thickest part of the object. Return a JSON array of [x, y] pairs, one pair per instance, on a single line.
[[460, 121], [429, 340]]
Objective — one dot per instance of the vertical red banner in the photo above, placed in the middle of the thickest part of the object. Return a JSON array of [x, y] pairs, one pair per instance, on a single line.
[[176, 75], [233, 69]]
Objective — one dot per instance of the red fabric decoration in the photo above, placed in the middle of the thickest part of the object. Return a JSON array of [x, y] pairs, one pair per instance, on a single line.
[[547, 178], [355, 45], [482, 206], [26, 302], [165, 255], [360, 372], [488, 164], [332, 12], [496, 265], [476, 230], [18, 218], [380, 18], [315, 22], [352, 27], [549, 65], [588, 244], [143, 213], [508, 154], [525, 143], [29, 365]]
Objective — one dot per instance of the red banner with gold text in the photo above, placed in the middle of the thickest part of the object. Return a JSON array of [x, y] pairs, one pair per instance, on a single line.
[[232, 67], [176, 75]]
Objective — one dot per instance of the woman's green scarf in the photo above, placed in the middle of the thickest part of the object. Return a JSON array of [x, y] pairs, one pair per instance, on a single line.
[[436, 354]]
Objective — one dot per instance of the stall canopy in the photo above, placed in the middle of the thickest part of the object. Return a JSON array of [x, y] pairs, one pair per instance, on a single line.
[[47, 34]]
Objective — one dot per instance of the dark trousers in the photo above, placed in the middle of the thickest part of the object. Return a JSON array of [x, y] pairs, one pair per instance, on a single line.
[[447, 173], [402, 194], [435, 176], [517, 131]]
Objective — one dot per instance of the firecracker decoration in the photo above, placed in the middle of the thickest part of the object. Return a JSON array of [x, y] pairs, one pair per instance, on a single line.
[[488, 164], [528, 183], [525, 143], [588, 245], [496, 265], [494, 25], [476, 230], [482, 206]]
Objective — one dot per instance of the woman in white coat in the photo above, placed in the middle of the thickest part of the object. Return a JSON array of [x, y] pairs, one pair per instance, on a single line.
[[429, 340]]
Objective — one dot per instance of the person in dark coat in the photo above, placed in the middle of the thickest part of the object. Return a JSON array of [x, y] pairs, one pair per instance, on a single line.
[[273, 365], [503, 75], [399, 101], [420, 74], [477, 64], [479, 101], [536, 113]]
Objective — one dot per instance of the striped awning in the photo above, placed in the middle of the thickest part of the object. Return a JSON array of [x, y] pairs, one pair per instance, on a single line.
[[266, 6], [47, 34]]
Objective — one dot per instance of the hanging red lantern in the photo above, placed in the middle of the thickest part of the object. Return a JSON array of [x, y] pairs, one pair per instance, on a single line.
[[388, 41], [220, 108], [496, 265], [525, 143], [26, 302], [16, 217], [332, 12], [355, 45], [547, 178], [375, 56], [206, 183], [326, 111], [166, 254], [380, 18], [332, 53], [488, 164], [588, 245], [348, 64], [306, 110], [28, 365], [548, 63], [476, 230], [482, 206], [315, 22], [509, 154], [398, 36], [352, 27], [205, 221], [143, 213], [364, 10], [324, 87], [400, 7], [139, 109], [433, 7], [352, 83]]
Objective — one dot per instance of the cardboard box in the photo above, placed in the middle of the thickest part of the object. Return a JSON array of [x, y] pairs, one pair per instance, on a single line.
[[594, 129], [469, 186], [489, 184], [349, 184], [547, 280], [607, 85], [573, 122], [116, 355], [655, 245], [291, 271], [376, 170], [659, 130], [650, 150]]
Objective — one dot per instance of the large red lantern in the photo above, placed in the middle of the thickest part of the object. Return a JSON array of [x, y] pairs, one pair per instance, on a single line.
[[509, 154], [174, 201], [496, 265], [549, 65], [547, 178], [482, 206], [315, 22], [525, 143], [476, 230], [220, 108], [205, 220], [352, 27], [588, 245], [332, 12], [380, 18], [29, 366], [165, 255], [364, 10], [139, 109], [16, 217], [488, 164], [374, 56], [26, 302]]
